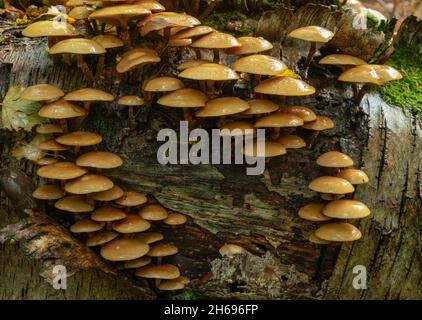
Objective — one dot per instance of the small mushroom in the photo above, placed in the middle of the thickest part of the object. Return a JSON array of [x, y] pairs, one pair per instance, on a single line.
[[150, 237], [250, 45], [321, 123], [334, 159], [161, 84], [216, 41], [109, 195], [174, 284], [74, 204], [221, 107], [136, 61], [61, 171], [313, 212], [175, 219], [137, 263], [290, 141], [302, 112], [346, 209], [338, 232], [160, 250], [131, 224], [124, 249], [131, 102], [334, 185], [272, 149], [52, 145], [48, 128], [278, 120], [108, 213], [99, 160], [86, 226], [46, 160], [165, 271], [231, 249], [54, 30], [79, 139], [41, 92], [88, 96], [108, 42], [61, 110], [131, 199], [354, 176], [153, 212], [88, 183], [190, 64], [48, 192], [101, 238]]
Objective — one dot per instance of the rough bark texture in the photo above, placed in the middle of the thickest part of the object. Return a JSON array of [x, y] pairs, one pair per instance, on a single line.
[[256, 212]]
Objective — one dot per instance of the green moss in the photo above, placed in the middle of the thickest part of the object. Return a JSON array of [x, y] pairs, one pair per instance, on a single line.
[[219, 21], [406, 92], [189, 295]]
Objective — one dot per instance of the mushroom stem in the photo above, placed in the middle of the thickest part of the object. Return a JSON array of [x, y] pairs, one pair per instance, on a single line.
[[210, 87], [355, 91], [282, 102], [109, 226], [216, 56], [221, 121], [131, 115], [276, 134], [124, 33], [187, 115], [312, 139], [257, 79], [77, 149], [364, 90], [63, 124], [308, 60], [203, 86], [84, 67], [198, 53], [100, 65]]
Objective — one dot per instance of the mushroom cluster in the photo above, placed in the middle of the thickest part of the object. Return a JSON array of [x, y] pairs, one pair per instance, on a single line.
[[106, 217], [338, 191]]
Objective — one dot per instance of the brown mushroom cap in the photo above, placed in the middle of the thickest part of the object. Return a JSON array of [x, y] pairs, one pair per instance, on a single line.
[[370, 73], [260, 64], [161, 20], [127, 63], [313, 212], [321, 123], [285, 86], [76, 3], [77, 46], [209, 71], [61, 171], [236, 128], [153, 6], [41, 92], [313, 238], [108, 41], [49, 28], [165, 271], [354, 176], [312, 33], [338, 232], [48, 128], [75, 204], [137, 263], [175, 219], [334, 159], [137, 52], [272, 149], [61, 109], [52, 145], [46, 161], [190, 64], [108, 213], [250, 45], [163, 84], [216, 40], [260, 106], [88, 94], [388, 73], [174, 284], [86, 225], [223, 106], [153, 212], [99, 159], [279, 120], [291, 141], [80, 138], [81, 12], [150, 237], [131, 224], [120, 12], [131, 101], [346, 209], [184, 98], [48, 192], [131, 199], [192, 32], [342, 59], [123, 249], [179, 42], [101, 238], [109, 195], [302, 112], [231, 249], [327, 184], [88, 183], [162, 250]]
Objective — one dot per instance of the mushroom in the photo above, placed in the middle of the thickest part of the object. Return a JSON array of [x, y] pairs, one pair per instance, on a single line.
[[153, 6], [79, 139], [101, 238], [165, 271], [302, 112], [313, 212], [41, 92], [314, 239], [82, 13], [174, 284], [61, 110], [150, 237], [250, 45], [272, 149], [46, 160], [74, 204], [153, 212], [260, 106], [334, 159], [334, 185], [160, 250], [321, 123], [216, 41], [99, 160], [136, 60], [61, 171], [124, 249], [48, 128], [137, 263], [221, 107], [354, 176], [108, 214], [88, 183], [136, 52], [236, 128], [346, 209], [51, 29], [161, 84], [190, 64], [131, 102], [343, 61], [231, 249], [109, 195], [48, 192], [184, 98], [108, 42], [290, 141], [209, 72], [175, 219], [191, 34], [315, 35], [123, 14], [79, 47], [278, 120], [338, 232], [52, 145], [131, 199], [86, 226], [131, 224]]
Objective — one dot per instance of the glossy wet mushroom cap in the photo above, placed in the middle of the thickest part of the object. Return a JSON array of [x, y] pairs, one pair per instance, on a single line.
[[279, 120], [124, 249], [109, 195], [338, 232], [81, 12], [108, 41], [86, 225], [250, 45], [174, 284], [209, 71], [137, 263], [101, 238], [153, 6], [131, 199], [80, 138], [370, 73], [272, 149], [285, 86], [153, 212], [312, 33], [237, 128], [99, 159], [131, 224], [52, 145], [74, 204], [41, 92], [260, 106], [342, 59], [302, 112], [162, 250], [321, 123], [314, 239], [61, 170], [127, 64], [179, 42], [192, 32], [260, 64], [313, 212], [131, 101], [108, 213], [48, 192], [184, 98], [231, 249], [334, 185], [216, 40], [290, 141], [190, 64], [163, 84], [88, 183], [346, 209], [48, 128], [120, 12], [46, 161], [137, 52], [165, 271], [49, 28], [150, 237], [354, 176], [175, 219], [161, 20], [61, 109], [334, 159], [88, 94], [222, 107], [77, 46]]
